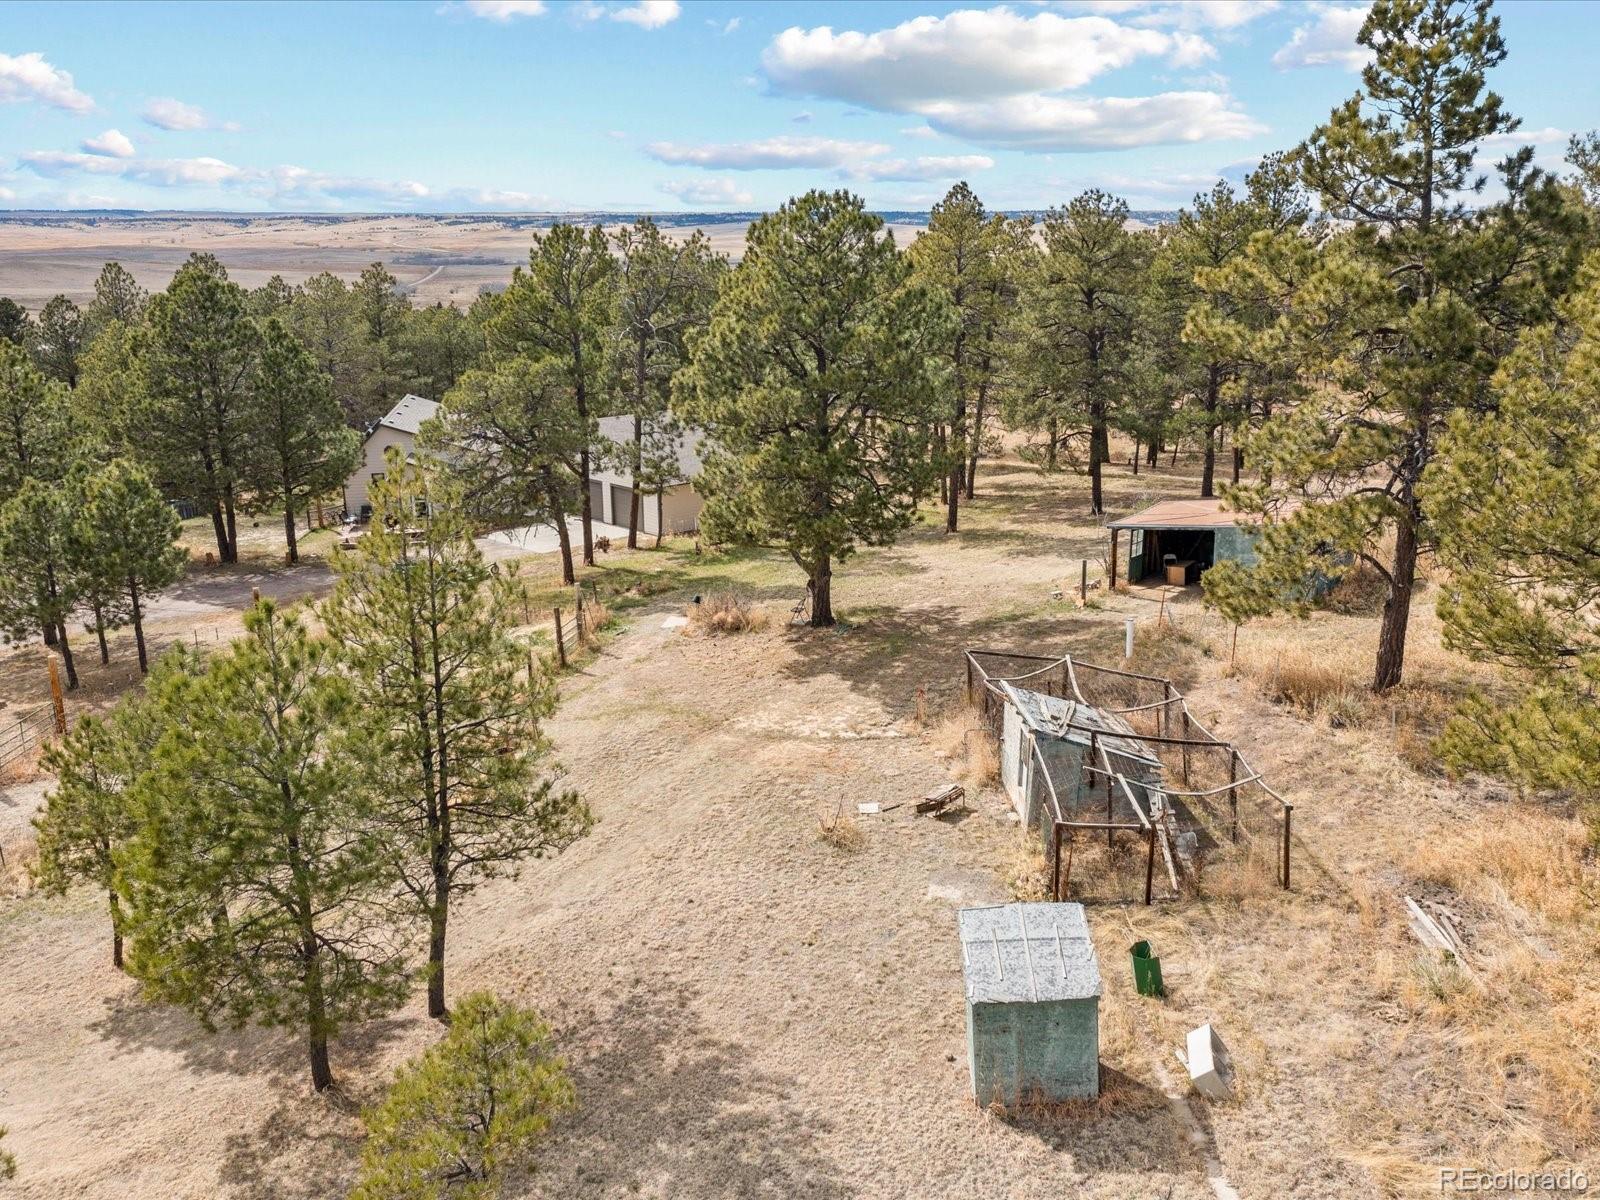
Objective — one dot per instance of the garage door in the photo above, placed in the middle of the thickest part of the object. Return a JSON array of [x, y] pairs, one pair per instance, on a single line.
[[597, 500]]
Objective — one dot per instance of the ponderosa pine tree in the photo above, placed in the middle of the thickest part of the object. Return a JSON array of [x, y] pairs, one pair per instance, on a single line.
[[300, 448], [467, 1113], [323, 316], [438, 345], [1399, 319], [259, 879], [1514, 497], [450, 701], [560, 308], [40, 582], [1080, 300], [117, 297], [200, 361], [58, 340], [514, 441], [816, 384], [126, 538], [16, 326], [665, 290], [381, 310], [962, 256], [35, 423]]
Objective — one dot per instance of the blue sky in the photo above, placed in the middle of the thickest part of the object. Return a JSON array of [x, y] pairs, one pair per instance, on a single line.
[[476, 105]]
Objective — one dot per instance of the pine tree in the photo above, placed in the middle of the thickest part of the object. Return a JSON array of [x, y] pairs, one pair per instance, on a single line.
[[439, 344], [16, 326], [201, 362], [299, 445], [664, 292], [58, 340], [35, 427], [1080, 299], [452, 703], [816, 383], [515, 441], [1514, 495], [111, 400], [560, 308], [117, 298], [467, 1113], [126, 537], [381, 313], [963, 257], [40, 583], [323, 316], [259, 882]]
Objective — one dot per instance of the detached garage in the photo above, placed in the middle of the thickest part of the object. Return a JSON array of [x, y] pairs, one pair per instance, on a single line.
[[675, 508]]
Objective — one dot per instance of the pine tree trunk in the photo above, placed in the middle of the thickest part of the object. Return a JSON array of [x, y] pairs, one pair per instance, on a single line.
[[116, 930], [822, 594], [66, 656], [975, 441], [289, 534], [438, 921], [638, 462], [559, 518], [581, 397], [1050, 454], [100, 630], [220, 528], [1397, 604], [232, 554], [1099, 442], [1238, 461], [1135, 459], [1155, 451], [138, 625], [1208, 476], [321, 1072]]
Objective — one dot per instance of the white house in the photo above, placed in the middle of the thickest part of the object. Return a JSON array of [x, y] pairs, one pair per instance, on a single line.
[[675, 510], [397, 427]]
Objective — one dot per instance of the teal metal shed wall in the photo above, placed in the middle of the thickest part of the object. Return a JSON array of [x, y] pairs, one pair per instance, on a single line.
[[1235, 544], [1050, 1047]]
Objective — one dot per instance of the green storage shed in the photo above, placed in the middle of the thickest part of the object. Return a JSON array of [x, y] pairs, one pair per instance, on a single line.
[[1199, 533], [1033, 1002]]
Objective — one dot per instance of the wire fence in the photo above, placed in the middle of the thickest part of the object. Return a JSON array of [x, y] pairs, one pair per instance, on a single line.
[[1122, 753], [18, 738]]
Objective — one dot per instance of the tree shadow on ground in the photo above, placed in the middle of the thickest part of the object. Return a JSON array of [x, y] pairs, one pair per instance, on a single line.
[[306, 1148], [667, 1107]]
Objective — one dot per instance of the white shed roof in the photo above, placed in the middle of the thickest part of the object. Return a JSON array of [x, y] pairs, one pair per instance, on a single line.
[[1025, 953], [1077, 722]]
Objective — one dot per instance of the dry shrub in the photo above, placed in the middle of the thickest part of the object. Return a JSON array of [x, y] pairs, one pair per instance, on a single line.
[[17, 861], [1236, 877], [974, 757], [1313, 687], [1535, 859], [725, 612], [1359, 593], [596, 616], [840, 830]]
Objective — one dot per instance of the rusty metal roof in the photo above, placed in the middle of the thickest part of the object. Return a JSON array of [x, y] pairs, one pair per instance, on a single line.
[[1183, 514]]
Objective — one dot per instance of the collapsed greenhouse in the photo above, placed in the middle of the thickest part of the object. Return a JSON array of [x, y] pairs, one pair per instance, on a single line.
[[1087, 749]]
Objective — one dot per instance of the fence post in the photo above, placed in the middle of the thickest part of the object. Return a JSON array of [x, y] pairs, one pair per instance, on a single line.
[[1150, 863], [56, 699], [561, 642], [1288, 815], [1186, 747], [1233, 792], [1083, 583]]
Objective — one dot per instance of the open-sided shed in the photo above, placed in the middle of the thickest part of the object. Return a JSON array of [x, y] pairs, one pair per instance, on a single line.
[[1033, 1002], [1197, 533]]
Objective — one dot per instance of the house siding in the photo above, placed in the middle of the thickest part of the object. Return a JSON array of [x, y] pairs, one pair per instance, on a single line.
[[357, 489]]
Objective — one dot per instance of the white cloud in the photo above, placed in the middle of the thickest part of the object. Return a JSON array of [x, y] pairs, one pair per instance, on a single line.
[[801, 118], [649, 14], [725, 27], [1328, 41], [113, 143], [708, 191], [919, 131], [774, 152], [167, 113], [968, 55], [998, 78], [505, 10], [1548, 136], [1188, 14], [1088, 123], [902, 170], [158, 172], [30, 77], [7, 194]]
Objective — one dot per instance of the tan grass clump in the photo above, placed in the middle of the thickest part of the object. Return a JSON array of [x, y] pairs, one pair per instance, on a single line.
[[596, 616], [841, 831], [974, 757], [1537, 860], [18, 858], [725, 612], [1026, 872]]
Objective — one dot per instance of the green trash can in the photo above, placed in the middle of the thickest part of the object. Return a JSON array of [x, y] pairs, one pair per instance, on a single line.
[[1146, 970]]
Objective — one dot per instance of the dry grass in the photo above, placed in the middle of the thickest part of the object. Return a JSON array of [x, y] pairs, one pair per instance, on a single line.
[[726, 612], [841, 830], [1538, 861], [1026, 873], [595, 617], [973, 756], [18, 857]]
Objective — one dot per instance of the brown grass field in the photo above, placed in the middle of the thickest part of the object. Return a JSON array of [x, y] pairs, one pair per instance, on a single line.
[[759, 994], [435, 260]]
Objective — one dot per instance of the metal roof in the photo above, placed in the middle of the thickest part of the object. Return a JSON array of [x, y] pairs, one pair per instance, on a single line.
[[409, 413], [1205, 513], [1076, 721], [1026, 953]]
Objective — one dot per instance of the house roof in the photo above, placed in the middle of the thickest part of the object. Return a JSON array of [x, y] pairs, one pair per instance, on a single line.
[[409, 413], [1025, 953], [1182, 514], [686, 447]]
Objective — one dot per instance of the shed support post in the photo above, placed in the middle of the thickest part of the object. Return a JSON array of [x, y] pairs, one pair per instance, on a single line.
[[1083, 583], [1233, 792], [1055, 861], [1112, 585], [1288, 815], [1150, 865], [1186, 747]]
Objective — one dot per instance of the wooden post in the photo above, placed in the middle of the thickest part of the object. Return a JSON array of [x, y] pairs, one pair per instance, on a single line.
[[561, 642], [1109, 831], [1233, 792], [1288, 815], [969, 678], [532, 672], [1111, 584], [1166, 707], [1083, 583], [56, 699], [1055, 861], [255, 595], [1150, 864], [1233, 650], [1186, 747]]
